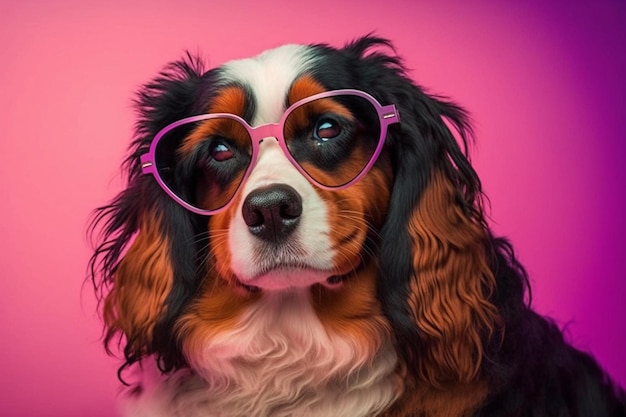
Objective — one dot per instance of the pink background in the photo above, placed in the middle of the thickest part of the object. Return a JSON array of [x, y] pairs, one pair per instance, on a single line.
[[545, 85]]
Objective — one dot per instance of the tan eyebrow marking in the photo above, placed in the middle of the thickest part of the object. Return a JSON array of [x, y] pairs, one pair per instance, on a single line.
[[305, 87], [230, 100]]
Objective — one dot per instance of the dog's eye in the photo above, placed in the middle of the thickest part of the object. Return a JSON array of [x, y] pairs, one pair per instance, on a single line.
[[326, 129], [220, 152]]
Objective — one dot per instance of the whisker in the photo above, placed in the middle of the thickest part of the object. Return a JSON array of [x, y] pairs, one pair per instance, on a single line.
[[360, 222]]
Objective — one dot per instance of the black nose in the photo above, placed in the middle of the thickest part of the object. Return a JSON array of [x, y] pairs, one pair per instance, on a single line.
[[272, 212]]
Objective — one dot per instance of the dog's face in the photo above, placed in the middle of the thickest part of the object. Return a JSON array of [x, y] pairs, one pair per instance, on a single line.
[[283, 205], [283, 232]]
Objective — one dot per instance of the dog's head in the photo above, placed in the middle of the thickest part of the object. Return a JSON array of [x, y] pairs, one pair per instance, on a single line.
[[306, 169]]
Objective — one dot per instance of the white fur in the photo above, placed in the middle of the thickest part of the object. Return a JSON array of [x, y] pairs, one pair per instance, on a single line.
[[269, 76], [278, 361]]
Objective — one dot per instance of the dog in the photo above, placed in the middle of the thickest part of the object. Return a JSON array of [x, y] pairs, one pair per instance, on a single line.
[[302, 234]]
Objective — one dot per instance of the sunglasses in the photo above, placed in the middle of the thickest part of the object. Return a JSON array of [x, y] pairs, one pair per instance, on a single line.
[[332, 138]]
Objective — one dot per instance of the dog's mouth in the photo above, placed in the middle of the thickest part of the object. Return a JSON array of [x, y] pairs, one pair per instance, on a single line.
[[283, 276]]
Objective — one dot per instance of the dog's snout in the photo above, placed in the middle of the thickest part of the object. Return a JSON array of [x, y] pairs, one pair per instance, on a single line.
[[272, 212]]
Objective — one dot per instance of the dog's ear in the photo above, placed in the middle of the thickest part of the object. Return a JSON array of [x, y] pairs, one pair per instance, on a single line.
[[140, 286], [436, 282], [144, 265]]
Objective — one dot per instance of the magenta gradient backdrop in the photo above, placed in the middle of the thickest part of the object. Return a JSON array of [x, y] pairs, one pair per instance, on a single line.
[[544, 83]]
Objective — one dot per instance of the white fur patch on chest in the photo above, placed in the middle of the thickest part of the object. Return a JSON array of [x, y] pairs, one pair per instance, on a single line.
[[279, 361]]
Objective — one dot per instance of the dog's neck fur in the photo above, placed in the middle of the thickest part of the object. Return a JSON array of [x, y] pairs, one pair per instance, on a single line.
[[279, 361]]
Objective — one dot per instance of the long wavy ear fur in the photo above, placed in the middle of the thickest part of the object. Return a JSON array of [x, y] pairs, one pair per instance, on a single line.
[[436, 280], [451, 286], [143, 285], [440, 302]]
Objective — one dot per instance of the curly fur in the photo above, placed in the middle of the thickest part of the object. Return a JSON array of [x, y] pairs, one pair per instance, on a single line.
[[239, 369]]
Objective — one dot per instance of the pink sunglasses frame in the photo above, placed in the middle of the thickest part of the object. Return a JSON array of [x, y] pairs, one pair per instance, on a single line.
[[387, 115]]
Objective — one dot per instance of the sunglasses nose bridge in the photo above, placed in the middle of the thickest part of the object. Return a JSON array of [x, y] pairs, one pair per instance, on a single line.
[[262, 132]]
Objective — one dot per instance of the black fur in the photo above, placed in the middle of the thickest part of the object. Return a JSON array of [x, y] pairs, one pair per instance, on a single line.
[[531, 370]]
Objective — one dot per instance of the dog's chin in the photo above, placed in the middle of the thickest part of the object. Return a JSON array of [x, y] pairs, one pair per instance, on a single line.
[[288, 278]]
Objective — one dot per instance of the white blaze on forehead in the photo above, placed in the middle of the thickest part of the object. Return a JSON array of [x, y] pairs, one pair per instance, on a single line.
[[269, 77]]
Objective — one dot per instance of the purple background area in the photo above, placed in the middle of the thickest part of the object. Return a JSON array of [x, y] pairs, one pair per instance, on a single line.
[[544, 83]]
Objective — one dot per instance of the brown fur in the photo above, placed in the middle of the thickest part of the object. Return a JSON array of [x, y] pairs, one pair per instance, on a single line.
[[230, 100], [354, 310], [141, 284], [450, 292]]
